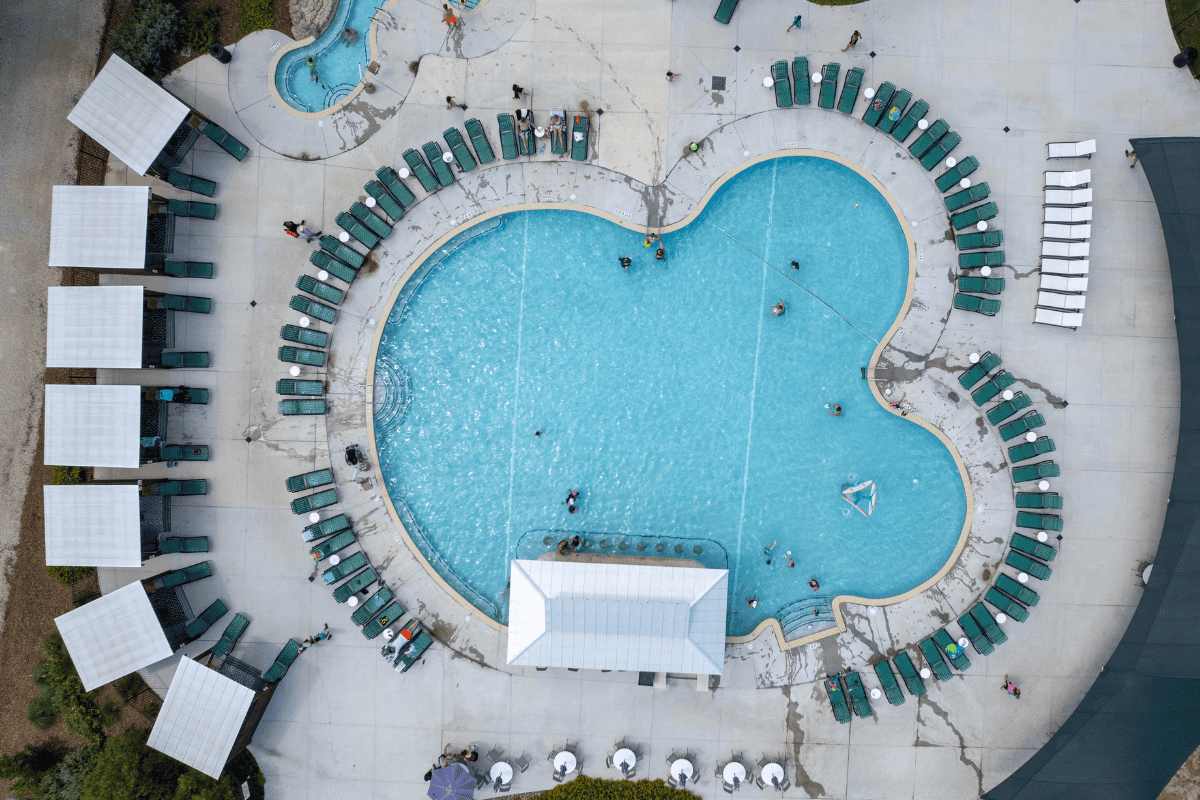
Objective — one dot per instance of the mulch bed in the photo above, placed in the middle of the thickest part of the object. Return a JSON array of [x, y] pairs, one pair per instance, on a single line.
[[231, 29]]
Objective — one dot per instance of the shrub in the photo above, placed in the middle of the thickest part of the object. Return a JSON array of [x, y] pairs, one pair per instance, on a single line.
[[42, 712], [69, 574], [256, 14], [65, 780], [64, 692], [201, 26], [149, 38], [67, 476], [27, 768], [585, 788]]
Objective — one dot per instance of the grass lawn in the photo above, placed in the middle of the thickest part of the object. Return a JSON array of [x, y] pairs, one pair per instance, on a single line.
[[1185, 24]]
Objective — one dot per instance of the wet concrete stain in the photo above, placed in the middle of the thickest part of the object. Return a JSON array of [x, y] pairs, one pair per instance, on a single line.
[[792, 723]]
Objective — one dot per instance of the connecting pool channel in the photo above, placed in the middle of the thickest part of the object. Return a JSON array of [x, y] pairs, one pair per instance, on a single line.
[[338, 65], [689, 417]]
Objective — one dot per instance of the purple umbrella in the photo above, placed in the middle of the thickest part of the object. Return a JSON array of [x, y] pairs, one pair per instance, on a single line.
[[451, 783]]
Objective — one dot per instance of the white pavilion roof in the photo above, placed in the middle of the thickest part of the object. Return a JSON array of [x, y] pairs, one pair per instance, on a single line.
[[200, 717], [113, 635], [93, 426], [92, 526], [102, 227], [94, 327]]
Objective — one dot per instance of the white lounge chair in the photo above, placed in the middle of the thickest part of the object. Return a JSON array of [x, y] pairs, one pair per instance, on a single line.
[[1065, 249], [1061, 283], [1068, 179], [1053, 230], [1069, 214], [1063, 319], [1068, 302], [1061, 266], [1071, 149], [1068, 197]]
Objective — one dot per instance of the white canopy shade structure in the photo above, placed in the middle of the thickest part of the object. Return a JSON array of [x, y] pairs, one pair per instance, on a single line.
[[100, 227], [131, 115], [93, 426], [94, 327], [617, 616], [201, 717], [92, 526], [113, 635]]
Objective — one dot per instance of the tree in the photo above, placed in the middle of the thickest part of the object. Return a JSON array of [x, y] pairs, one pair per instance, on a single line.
[[27, 768], [62, 691], [195, 785], [149, 38], [65, 780], [128, 770]]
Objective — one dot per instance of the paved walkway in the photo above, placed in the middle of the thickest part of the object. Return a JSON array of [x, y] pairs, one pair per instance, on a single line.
[[342, 721]]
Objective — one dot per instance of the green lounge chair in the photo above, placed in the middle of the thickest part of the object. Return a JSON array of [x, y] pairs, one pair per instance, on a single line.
[[454, 139], [987, 362], [356, 229], [193, 359], [421, 642], [190, 183], [233, 631], [940, 150], [1024, 424], [969, 302], [391, 181], [181, 394], [725, 11], [184, 452], [420, 169], [200, 625], [800, 81], [850, 88], [326, 527], [928, 139], [311, 502], [973, 194], [322, 260], [312, 308], [837, 699], [858, 695], [972, 241], [1039, 500], [188, 303], [180, 577], [349, 565], [332, 545], [355, 585], [370, 608], [909, 121], [322, 291], [302, 408], [309, 480], [298, 355], [933, 656], [981, 258], [433, 152], [579, 147], [374, 223], [974, 215], [1035, 472], [192, 488], [951, 177], [183, 544], [189, 208], [875, 108], [783, 86], [883, 671], [227, 143], [969, 283], [483, 150], [1008, 408], [987, 622], [284, 660], [909, 674], [1018, 591], [1006, 605], [894, 111], [1028, 450], [1032, 547], [508, 136], [294, 333], [342, 252], [995, 386], [304, 388], [1019, 561], [829, 78], [383, 198], [188, 269], [956, 655], [390, 614], [975, 634]]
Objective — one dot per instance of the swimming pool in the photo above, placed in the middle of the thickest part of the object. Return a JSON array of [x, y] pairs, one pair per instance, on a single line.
[[338, 66], [688, 417]]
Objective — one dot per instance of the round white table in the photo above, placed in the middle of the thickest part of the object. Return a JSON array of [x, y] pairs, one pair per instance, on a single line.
[[925, 673], [564, 759], [447, 157], [981, 225], [1002, 618], [626, 757], [335, 560], [874, 694], [771, 773], [314, 517], [922, 124], [305, 322], [1007, 394], [816, 77], [963, 642], [322, 276], [733, 770], [369, 202], [343, 237], [965, 183], [1146, 574], [403, 172], [1043, 536], [1043, 485], [682, 768], [950, 162], [294, 372], [973, 358], [502, 771], [985, 271], [352, 601], [1031, 437], [767, 82], [1022, 577], [868, 92]]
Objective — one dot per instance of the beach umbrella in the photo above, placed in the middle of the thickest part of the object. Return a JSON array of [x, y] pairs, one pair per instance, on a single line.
[[451, 783]]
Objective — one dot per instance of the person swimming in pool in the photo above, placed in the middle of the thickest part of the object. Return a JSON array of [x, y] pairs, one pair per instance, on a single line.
[[814, 585], [778, 309], [312, 69], [660, 255], [625, 262], [833, 409]]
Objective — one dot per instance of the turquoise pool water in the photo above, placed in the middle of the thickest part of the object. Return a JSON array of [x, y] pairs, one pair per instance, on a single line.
[[337, 65], [687, 416]]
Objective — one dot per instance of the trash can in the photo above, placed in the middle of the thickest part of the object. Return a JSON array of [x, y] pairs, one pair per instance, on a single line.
[[1188, 56], [220, 53]]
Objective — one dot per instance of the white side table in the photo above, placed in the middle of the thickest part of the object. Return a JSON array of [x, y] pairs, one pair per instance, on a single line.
[[1043, 485], [1043, 536], [985, 271], [767, 82], [922, 124], [294, 372], [343, 237], [1031, 437], [322, 276], [1023, 577], [369, 202], [981, 225], [314, 517], [950, 162], [403, 172], [1007, 394], [965, 183], [1002, 618], [973, 358], [305, 322]]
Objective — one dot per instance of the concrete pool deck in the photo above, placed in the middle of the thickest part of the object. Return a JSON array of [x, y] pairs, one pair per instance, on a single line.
[[343, 721]]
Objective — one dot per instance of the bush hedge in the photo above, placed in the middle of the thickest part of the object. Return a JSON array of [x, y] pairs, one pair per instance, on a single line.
[[201, 26], [69, 574], [67, 476], [585, 788], [256, 14], [149, 38]]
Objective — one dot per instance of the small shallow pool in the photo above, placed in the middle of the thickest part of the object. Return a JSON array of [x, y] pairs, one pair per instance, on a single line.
[[691, 420], [338, 65]]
